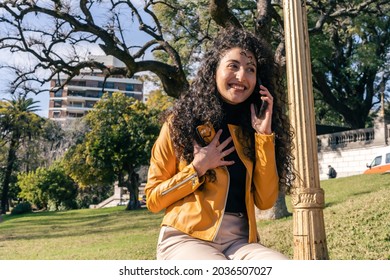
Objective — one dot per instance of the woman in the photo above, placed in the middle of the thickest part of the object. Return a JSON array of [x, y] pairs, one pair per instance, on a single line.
[[215, 158]]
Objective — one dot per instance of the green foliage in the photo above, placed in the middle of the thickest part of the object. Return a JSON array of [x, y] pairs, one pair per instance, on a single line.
[[159, 102], [93, 194], [187, 26], [29, 183], [17, 117], [18, 124], [45, 187], [75, 164], [21, 208], [348, 54], [324, 113], [122, 133], [61, 189]]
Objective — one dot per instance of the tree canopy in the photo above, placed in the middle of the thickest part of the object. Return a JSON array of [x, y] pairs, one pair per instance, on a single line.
[[350, 55], [43, 187], [18, 124], [349, 42], [122, 133]]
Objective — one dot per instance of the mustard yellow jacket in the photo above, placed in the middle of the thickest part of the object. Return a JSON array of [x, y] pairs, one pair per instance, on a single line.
[[173, 185]]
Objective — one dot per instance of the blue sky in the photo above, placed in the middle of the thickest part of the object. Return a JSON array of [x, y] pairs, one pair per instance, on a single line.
[[6, 77]]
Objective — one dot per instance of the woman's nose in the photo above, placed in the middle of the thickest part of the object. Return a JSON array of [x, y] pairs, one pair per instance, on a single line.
[[240, 74]]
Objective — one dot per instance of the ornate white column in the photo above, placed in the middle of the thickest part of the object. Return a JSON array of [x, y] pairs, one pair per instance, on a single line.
[[307, 197]]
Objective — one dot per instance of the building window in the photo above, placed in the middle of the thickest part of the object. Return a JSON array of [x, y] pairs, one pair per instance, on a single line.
[[57, 104], [93, 94], [76, 93], [56, 114], [129, 87], [58, 93], [75, 104], [77, 83], [75, 115], [106, 84], [89, 104]]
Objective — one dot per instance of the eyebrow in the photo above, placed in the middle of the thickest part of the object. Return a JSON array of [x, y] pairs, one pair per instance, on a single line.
[[236, 61]]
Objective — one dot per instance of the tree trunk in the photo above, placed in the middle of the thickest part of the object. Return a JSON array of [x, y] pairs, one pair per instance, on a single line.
[[278, 211], [132, 185], [264, 19], [7, 175]]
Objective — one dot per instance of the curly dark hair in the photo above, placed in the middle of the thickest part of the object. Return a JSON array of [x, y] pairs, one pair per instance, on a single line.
[[202, 102]]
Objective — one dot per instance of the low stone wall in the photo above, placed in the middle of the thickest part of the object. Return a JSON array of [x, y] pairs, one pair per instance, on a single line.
[[349, 152], [347, 162]]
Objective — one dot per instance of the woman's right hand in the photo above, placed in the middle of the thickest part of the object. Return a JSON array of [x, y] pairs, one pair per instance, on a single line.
[[212, 155]]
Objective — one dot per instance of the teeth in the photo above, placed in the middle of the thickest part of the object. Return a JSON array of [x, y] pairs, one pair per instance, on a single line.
[[238, 87]]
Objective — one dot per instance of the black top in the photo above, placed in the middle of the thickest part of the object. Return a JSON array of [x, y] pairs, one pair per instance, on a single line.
[[236, 196]]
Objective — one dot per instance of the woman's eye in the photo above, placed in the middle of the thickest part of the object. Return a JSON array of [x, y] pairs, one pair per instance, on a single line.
[[232, 65]]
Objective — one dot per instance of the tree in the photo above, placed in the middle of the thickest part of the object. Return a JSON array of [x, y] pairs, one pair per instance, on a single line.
[[158, 101], [350, 45], [43, 187], [29, 184], [43, 149], [177, 32], [18, 123], [122, 133], [349, 41]]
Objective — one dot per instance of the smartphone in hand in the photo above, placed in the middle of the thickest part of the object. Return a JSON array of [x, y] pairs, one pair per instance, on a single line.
[[260, 105]]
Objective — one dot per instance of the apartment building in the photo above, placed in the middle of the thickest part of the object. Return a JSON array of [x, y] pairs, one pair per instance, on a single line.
[[83, 91]]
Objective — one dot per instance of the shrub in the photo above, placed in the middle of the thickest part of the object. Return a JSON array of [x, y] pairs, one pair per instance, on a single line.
[[21, 208]]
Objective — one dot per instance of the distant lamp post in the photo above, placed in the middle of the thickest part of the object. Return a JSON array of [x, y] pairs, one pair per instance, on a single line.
[[308, 197]]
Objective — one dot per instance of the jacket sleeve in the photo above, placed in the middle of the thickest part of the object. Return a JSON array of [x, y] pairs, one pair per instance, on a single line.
[[167, 184], [265, 177]]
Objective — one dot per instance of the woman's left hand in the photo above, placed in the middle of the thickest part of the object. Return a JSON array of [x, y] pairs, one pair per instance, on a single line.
[[262, 124]]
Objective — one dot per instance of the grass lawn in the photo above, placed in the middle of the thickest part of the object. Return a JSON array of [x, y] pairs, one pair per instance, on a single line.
[[357, 221], [88, 234]]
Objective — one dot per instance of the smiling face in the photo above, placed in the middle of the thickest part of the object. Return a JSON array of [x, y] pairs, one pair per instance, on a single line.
[[236, 75]]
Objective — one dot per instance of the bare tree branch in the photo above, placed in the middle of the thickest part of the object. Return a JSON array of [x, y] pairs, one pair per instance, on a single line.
[[221, 14], [75, 28], [332, 10]]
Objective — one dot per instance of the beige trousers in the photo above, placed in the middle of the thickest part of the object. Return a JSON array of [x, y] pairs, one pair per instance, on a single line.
[[231, 243]]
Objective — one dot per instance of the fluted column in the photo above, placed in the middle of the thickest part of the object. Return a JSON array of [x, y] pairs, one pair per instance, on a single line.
[[307, 197]]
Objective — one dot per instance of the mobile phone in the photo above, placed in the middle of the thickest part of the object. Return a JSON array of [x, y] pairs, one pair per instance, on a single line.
[[260, 105], [205, 134]]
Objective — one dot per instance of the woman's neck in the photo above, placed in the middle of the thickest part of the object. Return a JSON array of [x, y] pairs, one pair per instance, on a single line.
[[234, 112]]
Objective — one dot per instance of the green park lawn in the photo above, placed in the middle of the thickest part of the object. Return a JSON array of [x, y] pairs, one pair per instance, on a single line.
[[357, 225]]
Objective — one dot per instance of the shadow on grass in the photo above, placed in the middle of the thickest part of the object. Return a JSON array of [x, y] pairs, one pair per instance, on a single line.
[[361, 193]]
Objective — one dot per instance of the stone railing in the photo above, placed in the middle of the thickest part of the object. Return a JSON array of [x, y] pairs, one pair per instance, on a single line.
[[353, 139], [356, 138]]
